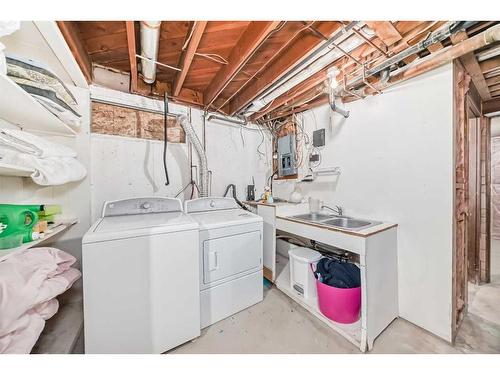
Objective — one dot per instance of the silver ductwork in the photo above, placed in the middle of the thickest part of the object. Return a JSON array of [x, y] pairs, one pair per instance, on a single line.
[[193, 138], [150, 41]]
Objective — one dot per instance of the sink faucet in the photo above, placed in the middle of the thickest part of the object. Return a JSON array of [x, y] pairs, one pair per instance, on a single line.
[[338, 210]]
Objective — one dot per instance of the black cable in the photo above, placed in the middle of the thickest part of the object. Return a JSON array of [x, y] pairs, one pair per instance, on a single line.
[[233, 186], [165, 122]]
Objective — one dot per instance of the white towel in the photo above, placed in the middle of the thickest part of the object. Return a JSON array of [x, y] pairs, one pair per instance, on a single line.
[[47, 171], [33, 145]]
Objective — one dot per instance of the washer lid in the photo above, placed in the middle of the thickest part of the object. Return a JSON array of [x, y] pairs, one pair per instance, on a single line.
[[224, 218], [124, 226]]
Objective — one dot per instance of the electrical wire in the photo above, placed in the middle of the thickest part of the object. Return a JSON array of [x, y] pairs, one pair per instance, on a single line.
[[214, 57], [233, 186]]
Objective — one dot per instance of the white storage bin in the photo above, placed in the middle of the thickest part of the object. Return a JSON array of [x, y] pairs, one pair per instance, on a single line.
[[301, 276]]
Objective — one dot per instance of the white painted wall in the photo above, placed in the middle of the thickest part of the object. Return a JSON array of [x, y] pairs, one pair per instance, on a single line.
[[135, 166], [396, 155]]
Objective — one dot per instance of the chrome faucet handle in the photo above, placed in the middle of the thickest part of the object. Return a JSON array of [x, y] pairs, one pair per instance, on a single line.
[[337, 210]]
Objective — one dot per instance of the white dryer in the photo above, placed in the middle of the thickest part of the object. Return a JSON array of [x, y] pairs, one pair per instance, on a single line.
[[230, 251], [141, 277]]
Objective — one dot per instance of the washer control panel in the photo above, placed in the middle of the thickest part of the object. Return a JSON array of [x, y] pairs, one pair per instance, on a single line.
[[144, 205]]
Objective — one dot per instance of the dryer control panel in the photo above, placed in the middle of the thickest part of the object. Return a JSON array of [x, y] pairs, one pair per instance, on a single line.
[[209, 204]]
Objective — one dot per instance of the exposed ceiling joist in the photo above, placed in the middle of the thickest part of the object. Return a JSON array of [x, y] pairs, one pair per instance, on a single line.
[[253, 37], [287, 61], [188, 55], [132, 54], [493, 80], [491, 106], [490, 65], [71, 34], [386, 31]]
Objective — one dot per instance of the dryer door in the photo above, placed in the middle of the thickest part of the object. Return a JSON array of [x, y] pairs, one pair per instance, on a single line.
[[225, 257]]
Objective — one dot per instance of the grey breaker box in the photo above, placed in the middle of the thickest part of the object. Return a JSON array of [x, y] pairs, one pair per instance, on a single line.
[[286, 155]]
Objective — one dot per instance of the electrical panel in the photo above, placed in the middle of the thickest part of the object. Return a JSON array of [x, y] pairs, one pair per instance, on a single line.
[[319, 138], [286, 155]]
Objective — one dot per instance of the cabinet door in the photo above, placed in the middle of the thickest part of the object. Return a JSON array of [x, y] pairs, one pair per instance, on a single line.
[[268, 213]]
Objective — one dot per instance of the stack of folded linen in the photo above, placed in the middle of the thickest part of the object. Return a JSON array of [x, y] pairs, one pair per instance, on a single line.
[[36, 79], [53, 164], [30, 281]]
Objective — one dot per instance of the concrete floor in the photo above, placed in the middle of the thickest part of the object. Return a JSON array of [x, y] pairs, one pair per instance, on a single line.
[[279, 325]]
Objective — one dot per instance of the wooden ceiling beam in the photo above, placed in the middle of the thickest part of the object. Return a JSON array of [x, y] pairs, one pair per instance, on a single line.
[[71, 34], [471, 64], [490, 65], [386, 31], [491, 106], [188, 55], [253, 37], [292, 56], [493, 80], [132, 52]]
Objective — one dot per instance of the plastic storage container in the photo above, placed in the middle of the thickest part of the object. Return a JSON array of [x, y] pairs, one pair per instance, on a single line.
[[342, 305], [301, 276]]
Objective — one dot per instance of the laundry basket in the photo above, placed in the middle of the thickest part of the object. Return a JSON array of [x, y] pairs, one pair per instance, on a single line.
[[342, 305]]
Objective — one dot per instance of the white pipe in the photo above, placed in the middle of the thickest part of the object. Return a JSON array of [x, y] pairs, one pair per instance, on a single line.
[[191, 134], [150, 41]]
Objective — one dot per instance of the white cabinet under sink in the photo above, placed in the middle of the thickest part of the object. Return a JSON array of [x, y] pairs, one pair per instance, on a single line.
[[376, 248]]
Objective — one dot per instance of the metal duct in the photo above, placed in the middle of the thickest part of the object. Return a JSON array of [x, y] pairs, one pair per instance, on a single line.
[[193, 138], [150, 40], [437, 36]]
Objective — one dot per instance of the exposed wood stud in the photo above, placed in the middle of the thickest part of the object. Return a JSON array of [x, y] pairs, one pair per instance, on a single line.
[[132, 54], [71, 34], [198, 29], [470, 63]]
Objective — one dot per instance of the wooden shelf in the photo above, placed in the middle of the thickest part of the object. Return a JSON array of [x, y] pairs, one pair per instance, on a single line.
[[20, 108], [55, 230], [14, 170], [352, 332]]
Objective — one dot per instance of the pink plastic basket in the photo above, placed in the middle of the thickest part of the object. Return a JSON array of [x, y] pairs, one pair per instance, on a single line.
[[338, 304]]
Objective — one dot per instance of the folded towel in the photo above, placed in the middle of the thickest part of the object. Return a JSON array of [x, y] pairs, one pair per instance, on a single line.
[[47, 171], [34, 145], [35, 71]]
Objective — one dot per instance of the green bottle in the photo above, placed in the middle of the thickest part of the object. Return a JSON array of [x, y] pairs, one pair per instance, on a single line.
[[16, 224]]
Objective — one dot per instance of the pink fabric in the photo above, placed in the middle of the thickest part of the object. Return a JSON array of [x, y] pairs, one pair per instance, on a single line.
[[29, 283]]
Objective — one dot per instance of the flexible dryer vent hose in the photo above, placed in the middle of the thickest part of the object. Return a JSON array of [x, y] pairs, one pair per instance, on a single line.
[[193, 138]]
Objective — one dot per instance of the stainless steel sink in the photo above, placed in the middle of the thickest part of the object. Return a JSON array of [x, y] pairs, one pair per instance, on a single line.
[[343, 222], [313, 217]]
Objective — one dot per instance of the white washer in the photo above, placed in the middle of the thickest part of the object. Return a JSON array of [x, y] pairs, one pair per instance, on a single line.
[[230, 251], [141, 277]]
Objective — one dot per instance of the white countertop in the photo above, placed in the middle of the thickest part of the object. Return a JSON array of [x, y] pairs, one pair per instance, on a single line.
[[284, 211]]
